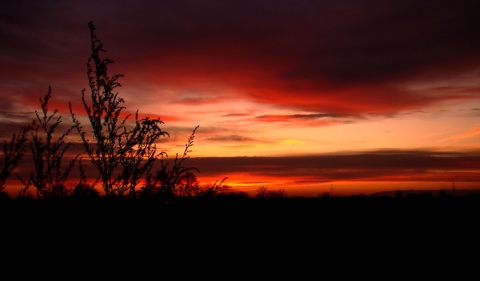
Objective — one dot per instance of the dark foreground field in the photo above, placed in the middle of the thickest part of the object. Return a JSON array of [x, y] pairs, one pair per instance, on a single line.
[[373, 212], [231, 237]]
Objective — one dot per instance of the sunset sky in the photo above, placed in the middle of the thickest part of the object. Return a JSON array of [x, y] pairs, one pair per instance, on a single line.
[[352, 96]]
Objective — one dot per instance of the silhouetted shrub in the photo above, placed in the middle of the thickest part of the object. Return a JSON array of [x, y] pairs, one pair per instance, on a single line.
[[13, 151], [264, 192], [123, 153], [48, 149]]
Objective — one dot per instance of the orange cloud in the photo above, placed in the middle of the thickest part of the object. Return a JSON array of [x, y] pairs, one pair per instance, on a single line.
[[469, 134]]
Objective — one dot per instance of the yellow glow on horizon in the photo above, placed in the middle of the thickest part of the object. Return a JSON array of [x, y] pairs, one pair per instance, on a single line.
[[291, 141]]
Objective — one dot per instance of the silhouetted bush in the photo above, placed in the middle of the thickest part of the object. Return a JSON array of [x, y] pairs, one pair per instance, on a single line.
[[13, 151], [122, 150], [121, 153], [48, 150]]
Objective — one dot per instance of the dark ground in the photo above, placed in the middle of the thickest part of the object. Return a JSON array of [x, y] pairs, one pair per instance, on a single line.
[[362, 235], [372, 212]]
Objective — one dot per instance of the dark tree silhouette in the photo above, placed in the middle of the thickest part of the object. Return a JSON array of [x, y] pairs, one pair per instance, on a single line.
[[13, 151], [264, 192], [48, 150], [121, 149], [122, 153], [84, 189], [167, 181]]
